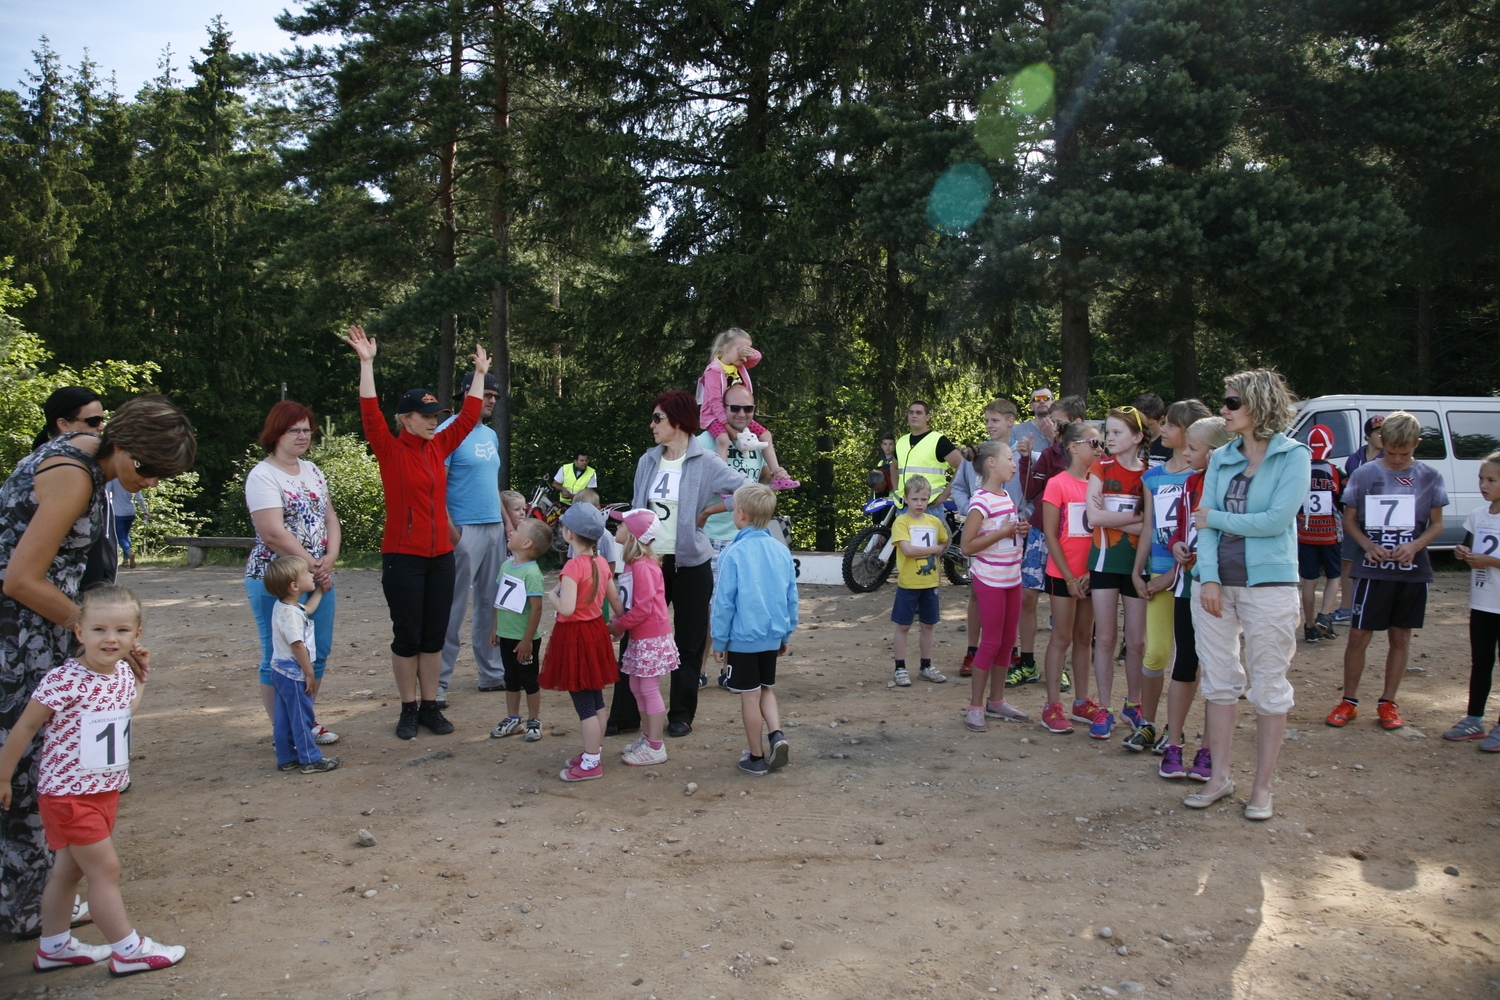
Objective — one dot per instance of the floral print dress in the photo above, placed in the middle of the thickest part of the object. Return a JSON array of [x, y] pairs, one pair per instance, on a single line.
[[30, 646]]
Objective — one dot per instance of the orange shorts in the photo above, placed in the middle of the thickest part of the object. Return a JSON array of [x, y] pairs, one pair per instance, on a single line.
[[70, 820]]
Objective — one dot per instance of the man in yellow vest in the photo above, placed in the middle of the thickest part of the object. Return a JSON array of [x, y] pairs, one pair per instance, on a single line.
[[573, 479], [925, 452]]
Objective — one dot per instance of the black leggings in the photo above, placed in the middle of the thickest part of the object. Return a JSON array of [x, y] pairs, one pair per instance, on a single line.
[[587, 703], [1484, 634], [419, 593], [689, 591], [1185, 668]]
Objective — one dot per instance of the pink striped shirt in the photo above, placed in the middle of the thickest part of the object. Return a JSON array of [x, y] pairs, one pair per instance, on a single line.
[[1000, 564]]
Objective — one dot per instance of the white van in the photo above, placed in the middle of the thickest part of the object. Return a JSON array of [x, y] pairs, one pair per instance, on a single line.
[[1458, 432]]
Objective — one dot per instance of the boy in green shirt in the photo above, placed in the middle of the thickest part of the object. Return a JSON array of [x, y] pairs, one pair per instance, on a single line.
[[920, 539], [518, 612]]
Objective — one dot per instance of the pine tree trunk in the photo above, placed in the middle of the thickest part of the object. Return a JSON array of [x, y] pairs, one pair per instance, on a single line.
[[1075, 348], [1184, 312], [890, 344], [1424, 338], [500, 217], [448, 226]]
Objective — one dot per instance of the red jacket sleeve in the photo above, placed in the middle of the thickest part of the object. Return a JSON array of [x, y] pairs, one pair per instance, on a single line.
[[447, 440], [377, 431]]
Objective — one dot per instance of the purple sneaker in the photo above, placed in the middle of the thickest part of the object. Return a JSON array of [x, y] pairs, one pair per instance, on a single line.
[[1132, 714], [1171, 763], [1203, 766]]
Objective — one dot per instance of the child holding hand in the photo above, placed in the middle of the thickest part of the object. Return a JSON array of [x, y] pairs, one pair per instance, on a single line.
[[518, 614], [992, 537], [729, 363], [652, 652], [83, 709], [292, 680]]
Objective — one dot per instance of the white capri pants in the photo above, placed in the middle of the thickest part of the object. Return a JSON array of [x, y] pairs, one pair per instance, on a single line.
[[1268, 617]]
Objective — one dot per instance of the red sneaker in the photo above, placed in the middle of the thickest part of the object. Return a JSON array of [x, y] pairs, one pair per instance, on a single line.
[[577, 772], [1343, 713], [967, 669], [1055, 719], [1390, 718], [1086, 712]]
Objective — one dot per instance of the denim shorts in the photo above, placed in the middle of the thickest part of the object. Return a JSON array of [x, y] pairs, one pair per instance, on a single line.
[[915, 603]]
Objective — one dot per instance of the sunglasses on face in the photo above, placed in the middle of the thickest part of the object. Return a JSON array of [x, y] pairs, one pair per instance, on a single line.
[[1233, 402], [741, 409], [657, 418], [94, 422], [146, 471]]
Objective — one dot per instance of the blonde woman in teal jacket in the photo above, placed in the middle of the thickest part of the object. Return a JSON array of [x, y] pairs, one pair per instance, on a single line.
[[1247, 578]]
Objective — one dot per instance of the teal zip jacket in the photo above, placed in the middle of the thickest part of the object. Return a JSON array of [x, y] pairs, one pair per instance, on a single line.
[[755, 598], [1269, 523]]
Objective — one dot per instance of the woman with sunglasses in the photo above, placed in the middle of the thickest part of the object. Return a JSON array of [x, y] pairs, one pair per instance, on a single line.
[[70, 408], [677, 480], [52, 511], [1064, 505], [1247, 578]]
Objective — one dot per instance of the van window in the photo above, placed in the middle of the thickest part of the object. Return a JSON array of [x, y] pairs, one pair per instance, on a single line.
[[1345, 425], [1475, 434], [1431, 446]]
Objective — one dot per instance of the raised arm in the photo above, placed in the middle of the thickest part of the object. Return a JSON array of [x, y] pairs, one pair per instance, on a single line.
[[365, 348]]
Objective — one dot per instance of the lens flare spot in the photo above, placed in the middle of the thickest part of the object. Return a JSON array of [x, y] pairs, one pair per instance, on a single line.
[[958, 198], [1031, 89]]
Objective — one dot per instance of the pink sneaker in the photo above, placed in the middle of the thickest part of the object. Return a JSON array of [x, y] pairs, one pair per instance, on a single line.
[[149, 957], [1003, 709], [1055, 719], [1085, 713], [974, 720], [74, 953], [577, 772], [1203, 766], [785, 484]]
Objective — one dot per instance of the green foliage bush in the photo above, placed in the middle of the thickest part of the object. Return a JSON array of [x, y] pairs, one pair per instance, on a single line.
[[354, 489], [168, 508]]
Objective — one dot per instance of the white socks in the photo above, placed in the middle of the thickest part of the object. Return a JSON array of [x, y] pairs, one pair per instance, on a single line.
[[127, 945], [51, 944], [590, 761]]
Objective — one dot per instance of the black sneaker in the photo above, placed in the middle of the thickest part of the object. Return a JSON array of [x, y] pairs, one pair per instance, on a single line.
[[702, 681], [679, 728], [1311, 634], [756, 768], [434, 720], [1143, 738], [781, 751], [1324, 625], [406, 728], [290, 765], [724, 679], [320, 765]]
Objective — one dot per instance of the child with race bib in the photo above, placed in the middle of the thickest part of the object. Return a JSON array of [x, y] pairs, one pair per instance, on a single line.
[[993, 534], [729, 363], [1481, 550], [1155, 570], [919, 538], [1202, 437], [652, 652], [1064, 506], [580, 657], [1393, 509], [83, 708], [1114, 512], [518, 616]]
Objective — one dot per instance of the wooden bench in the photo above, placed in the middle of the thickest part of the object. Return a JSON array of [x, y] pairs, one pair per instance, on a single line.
[[195, 546]]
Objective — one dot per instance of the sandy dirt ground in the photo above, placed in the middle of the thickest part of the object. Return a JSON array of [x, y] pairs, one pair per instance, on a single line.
[[898, 855]]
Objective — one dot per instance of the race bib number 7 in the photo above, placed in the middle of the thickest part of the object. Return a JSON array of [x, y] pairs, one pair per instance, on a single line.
[[104, 743], [1390, 512], [512, 594]]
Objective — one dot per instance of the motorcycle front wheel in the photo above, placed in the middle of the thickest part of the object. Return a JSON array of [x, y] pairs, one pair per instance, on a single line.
[[864, 568]]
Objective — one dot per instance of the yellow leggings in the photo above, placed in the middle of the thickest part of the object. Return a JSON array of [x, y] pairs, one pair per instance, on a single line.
[[1159, 625]]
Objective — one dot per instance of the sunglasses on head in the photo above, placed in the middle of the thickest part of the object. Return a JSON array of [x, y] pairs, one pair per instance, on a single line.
[[1233, 402], [740, 409], [1134, 415], [94, 422]]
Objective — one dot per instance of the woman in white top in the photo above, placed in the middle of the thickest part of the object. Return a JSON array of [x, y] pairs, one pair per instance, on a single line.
[[288, 501]]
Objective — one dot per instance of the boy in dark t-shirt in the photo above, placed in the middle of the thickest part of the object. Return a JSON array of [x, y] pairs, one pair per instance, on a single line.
[[1393, 509]]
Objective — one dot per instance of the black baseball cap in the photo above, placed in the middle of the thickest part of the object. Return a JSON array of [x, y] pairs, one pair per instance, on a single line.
[[491, 383], [421, 401]]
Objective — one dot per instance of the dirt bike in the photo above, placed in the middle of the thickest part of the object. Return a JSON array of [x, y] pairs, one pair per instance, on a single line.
[[870, 554]]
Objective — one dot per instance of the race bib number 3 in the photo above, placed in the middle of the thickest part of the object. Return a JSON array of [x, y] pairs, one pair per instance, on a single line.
[[1318, 502], [1390, 512], [1077, 525], [104, 744], [512, 594]]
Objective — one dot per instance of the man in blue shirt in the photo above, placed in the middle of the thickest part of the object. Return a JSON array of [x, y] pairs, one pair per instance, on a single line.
[[477, 528]]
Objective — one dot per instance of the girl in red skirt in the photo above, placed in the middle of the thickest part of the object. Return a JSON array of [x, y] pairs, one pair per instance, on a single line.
[[580, 657]]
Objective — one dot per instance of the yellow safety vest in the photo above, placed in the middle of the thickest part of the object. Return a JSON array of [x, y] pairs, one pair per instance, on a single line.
[[923, 460], [574, 481]]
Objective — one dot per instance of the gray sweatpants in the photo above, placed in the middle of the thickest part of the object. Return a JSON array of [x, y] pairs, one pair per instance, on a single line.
[[476, 563]]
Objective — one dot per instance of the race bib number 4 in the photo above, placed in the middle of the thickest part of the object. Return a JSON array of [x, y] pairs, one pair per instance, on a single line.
[[1318, 502], [664, 486], [512, 594], [1390, 512], [1077, 524], [1164, 508], [104, 744]]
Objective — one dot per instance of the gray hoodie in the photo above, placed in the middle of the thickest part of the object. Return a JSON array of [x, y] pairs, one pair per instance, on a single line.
[[705, 480]]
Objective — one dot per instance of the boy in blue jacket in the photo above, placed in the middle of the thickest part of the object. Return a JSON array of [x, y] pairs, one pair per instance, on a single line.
[[754, 616]]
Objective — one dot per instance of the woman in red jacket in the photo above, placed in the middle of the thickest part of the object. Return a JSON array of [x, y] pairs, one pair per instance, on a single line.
[[416, 554]]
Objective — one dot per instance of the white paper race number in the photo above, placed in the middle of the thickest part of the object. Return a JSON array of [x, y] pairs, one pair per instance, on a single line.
[[1390, 512], [625, 584], [1164, 508], [1318, 502], [512, 594], [1122, 503], [1077, 526], [665, 485], [104, 744], [924, 537]]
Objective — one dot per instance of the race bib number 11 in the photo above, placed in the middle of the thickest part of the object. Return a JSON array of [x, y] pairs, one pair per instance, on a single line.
[[104, 743]]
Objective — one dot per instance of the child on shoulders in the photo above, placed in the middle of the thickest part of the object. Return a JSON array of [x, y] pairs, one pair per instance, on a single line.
[[729, 363]]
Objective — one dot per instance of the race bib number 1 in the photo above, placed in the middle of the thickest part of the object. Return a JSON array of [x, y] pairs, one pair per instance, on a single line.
[[104, 744], [512, 594], [1390, 512], [1077, 527], [923, 537]]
